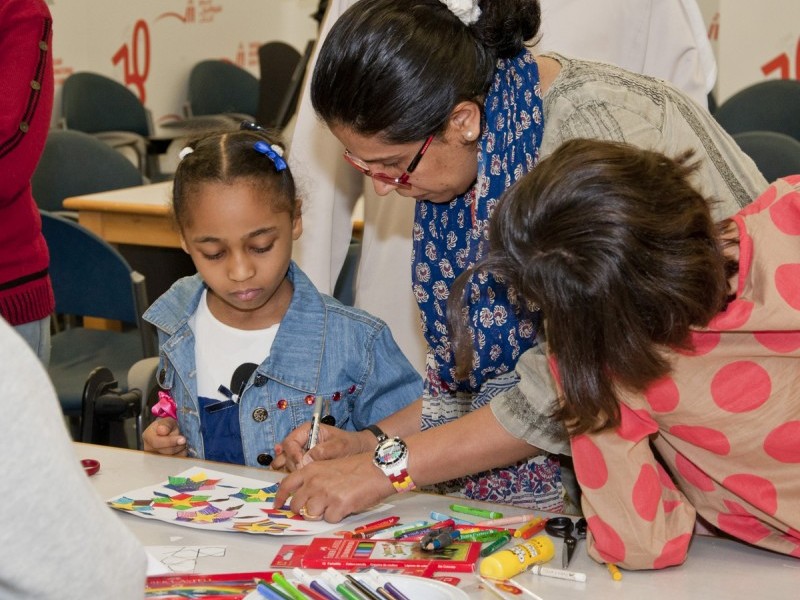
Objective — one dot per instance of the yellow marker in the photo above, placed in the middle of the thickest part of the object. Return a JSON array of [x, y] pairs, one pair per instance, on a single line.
[[504, 564], [615, 572]]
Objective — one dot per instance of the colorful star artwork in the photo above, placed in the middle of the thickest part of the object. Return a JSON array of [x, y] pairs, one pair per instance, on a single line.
[[256, 494], [212, 500]]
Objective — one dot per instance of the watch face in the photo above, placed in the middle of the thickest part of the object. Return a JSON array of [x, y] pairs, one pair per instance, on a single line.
[[390, 452]]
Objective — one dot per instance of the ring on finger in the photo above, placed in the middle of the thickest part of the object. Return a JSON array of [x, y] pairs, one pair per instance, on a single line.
[[308, 516]]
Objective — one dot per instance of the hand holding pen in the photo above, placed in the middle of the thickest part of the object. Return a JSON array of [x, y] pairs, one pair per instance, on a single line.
[[316, 419]]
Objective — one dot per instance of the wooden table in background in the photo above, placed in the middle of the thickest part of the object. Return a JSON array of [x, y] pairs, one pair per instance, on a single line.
[[137, 215]]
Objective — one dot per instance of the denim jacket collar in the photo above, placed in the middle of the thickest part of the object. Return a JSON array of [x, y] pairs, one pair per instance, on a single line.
[[296, 356]]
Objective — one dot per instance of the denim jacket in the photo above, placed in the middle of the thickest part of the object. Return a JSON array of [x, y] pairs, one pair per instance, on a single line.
[[322, 348]]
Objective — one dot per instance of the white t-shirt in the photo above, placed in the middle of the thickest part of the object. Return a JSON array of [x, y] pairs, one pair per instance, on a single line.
[[219, 349]]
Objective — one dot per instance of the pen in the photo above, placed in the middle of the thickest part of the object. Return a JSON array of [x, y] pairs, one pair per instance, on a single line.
[[507, 520], [281, 582], [338, 581], [394, 593], [362, 588], [558, 573], [496, 544], [377, 583], [478, 512], [615, 572], [310, 592], [530, 528], [269, 592], [316, 586], [313, 432]]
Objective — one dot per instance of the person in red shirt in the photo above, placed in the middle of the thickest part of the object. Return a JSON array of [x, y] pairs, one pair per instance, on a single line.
[[26, 103]]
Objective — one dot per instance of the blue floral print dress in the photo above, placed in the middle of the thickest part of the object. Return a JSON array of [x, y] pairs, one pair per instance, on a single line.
[[448, 238]]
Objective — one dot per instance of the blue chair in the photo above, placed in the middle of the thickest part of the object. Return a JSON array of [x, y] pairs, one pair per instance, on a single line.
[[775, 154], [345, 289], [218, 87], [91, 279], [772, 105], [75, 163], [107, 109], [282, 69]]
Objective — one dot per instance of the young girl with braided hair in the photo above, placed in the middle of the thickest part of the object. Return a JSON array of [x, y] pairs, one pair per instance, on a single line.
[[248, 346]]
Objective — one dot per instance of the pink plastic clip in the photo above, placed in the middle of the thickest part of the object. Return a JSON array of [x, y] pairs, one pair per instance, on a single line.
[[165, 407]]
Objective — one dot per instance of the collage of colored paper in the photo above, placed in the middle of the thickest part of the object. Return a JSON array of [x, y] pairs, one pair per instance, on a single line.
[[211, 500]]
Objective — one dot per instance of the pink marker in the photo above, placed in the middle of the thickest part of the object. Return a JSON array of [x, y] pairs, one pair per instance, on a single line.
[[508, 520]]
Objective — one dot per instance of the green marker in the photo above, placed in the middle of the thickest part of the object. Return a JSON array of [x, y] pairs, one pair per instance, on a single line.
[[496, 545], [478, 512], [281, 582], [486, 535]]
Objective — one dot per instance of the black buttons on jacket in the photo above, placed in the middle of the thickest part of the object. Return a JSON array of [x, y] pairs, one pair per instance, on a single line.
[[260, 414], [264, 459]]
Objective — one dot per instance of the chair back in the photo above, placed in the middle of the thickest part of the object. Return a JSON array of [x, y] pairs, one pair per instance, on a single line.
[[91, 279], [775, 154], [74, 163], [278, 64], [220, 87], [94, 103], [772, 105]]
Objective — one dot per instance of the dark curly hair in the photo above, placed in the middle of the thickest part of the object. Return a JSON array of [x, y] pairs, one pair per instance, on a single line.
[[623, 257]]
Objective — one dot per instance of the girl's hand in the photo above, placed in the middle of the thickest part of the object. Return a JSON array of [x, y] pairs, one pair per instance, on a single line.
[[163, 437], [333, 489], [332, 443]]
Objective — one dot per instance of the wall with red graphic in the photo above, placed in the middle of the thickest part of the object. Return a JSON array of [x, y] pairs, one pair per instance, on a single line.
[[150, 45], [753, 41]]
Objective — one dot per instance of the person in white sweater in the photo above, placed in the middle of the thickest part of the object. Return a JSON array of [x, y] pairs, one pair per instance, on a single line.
[[662, 38], [58, 539]]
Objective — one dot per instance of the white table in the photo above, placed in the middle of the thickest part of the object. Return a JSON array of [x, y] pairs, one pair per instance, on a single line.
[[715, 569]]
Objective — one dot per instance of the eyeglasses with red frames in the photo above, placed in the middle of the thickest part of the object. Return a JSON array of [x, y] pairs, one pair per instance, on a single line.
[[400, 182]]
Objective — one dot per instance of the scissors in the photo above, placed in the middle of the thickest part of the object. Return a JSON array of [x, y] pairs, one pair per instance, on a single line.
[[563, 527], [90, 465]]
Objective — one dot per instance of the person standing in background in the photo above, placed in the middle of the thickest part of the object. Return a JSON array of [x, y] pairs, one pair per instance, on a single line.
[[26, 103], [662, 38]]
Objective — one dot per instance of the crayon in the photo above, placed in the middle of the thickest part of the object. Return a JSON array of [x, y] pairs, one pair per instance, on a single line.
[[478, 512], [614, 571], [529, 529], [495, 545]]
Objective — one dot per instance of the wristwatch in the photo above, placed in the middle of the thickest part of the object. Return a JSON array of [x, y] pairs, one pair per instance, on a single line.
[[391, 457]]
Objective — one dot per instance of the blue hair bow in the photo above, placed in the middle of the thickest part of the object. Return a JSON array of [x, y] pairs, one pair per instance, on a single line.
[[270, 152]]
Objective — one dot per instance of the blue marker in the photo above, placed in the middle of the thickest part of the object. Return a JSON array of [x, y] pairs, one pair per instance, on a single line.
[[437, 516]]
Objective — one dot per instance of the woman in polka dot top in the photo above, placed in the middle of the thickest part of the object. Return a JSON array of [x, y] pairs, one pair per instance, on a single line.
[[673, 343]]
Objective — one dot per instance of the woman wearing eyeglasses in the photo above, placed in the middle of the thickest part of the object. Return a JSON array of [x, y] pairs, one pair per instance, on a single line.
[[443, 102]]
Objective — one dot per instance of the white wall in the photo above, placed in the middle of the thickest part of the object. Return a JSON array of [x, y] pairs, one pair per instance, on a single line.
[[150, 45], [753, 41]]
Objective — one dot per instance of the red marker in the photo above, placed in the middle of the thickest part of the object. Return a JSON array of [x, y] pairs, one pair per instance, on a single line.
[[365, 531]]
